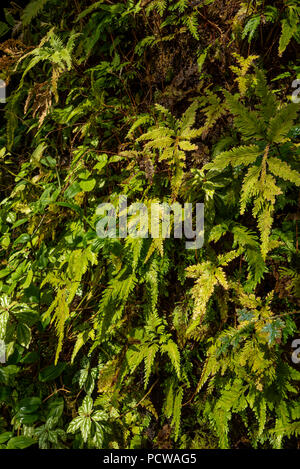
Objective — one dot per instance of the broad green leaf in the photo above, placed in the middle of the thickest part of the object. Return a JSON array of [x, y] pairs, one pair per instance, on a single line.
[[86, 406], [72, 190], [88, 186], [52, 372], [5, 437], [23, 334], [75, 424], [20, 442], [29, 405], [85, 428]]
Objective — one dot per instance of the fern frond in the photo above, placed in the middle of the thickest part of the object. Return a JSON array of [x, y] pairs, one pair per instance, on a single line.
[[289, 29], [177, 412], [172, 350], [265, 221], [250, 187], [282, 170], [247, 122], [268, 105], [149, 356], [32, 10], [281, 124], [251, 27], [243, 155]]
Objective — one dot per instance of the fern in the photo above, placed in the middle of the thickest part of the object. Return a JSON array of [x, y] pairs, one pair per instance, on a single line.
[[51, 49], [177, 412], [244, 373], [67, 285], [251, 27], [154, 340], [172, 350], [290, 26], [243, 77], [270, 125], [247, 122], [172, 141], [192, 24], [208, 276], [150, 353], [114, 300], [212, 108], [287, 18], [32, 10]]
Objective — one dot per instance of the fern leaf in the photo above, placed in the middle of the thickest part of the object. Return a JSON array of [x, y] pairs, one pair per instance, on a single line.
[[32, 10], [287, 32], [243, 155], [268, 106], [247, 122], [177, 412], [172, 350], [265, 221], [282, 170], [281, 124], [250, 187], [149, 356], [251, 27], [169, 401]]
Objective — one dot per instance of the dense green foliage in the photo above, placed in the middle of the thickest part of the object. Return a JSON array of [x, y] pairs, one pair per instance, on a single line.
[[139, 342]]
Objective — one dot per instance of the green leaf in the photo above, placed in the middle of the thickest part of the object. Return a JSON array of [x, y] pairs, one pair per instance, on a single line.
[[30, 357], [23, 334], [99, 415], [3, 28], [22, 239], [32, 10], [19, 222], [8, 371], [4, 272], [52, 372], [287, 32], [5, 437], [281, 169], [98, 436], [88, 186], [75, 424], [20, 442], [85, 428], [281, 124], [172, 350], [27, 419], [38, 153], [49, 162], [5, 241], [29, 405], [28, 279], [4, 316], [86, 406], [72, 190], [29, 317]]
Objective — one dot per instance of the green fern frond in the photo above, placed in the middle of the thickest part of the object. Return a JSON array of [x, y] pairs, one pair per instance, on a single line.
[[32, 10], [281, 124], [172, 350], [247, 122], [177, 412], [191, 22], [289, 29], [282, 170], [243, 155], [149, 357], [251, 27], [268, 105]]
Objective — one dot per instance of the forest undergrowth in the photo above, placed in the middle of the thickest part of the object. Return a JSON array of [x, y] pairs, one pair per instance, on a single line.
[[131, 342]]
